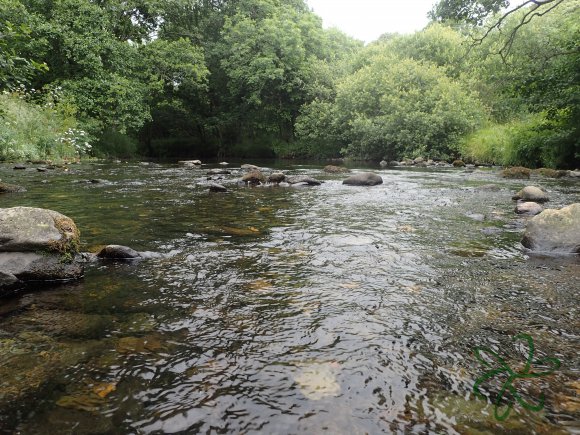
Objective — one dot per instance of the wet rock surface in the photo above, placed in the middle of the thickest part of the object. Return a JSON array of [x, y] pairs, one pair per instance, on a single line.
[[215, 187], [36, 245], [118, 252], [554, 231], [303, 179], [363, 179], [11, 188], [533, 194], [331, 169], [528, 208]]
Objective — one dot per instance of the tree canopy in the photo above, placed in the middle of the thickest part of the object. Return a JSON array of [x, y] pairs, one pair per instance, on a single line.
[[215, 78]]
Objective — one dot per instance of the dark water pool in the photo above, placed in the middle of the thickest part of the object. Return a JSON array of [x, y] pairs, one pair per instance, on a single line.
[[282, 310]]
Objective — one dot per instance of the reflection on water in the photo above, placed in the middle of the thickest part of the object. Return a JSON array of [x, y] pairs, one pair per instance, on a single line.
[[287, 310]]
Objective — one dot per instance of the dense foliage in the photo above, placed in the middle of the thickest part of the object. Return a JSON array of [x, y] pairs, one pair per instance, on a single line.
[[216, 78]]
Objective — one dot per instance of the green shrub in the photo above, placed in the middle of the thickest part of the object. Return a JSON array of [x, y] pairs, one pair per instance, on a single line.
[[533, 141], [114, 144], [31, 131]]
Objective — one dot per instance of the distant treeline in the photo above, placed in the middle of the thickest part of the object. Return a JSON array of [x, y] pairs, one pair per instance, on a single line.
[[262, 78]]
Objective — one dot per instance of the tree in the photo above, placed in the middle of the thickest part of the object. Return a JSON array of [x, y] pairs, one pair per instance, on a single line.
[[486, 14], [394, 107]]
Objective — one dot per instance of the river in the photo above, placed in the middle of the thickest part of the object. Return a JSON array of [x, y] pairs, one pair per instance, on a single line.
[[280, 310]]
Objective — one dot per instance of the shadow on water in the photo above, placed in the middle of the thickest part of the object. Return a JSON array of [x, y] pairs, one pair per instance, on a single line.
[[287, 309]]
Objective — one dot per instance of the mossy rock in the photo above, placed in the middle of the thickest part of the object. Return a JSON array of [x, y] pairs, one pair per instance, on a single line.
[[551, 173], [29, 229], [516, 172], [11, 188], [331, 169]]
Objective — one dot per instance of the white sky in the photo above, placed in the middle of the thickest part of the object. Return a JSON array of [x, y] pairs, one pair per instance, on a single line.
[[369, 19]]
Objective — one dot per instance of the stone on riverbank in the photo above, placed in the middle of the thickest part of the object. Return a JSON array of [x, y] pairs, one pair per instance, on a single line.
[[531, 193], [363, 179], [554, 231]]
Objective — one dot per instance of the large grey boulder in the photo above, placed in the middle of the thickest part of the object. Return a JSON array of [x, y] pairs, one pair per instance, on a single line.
[[36, 245], [363, 179], [533, 194], [28, 229], [554, 231]]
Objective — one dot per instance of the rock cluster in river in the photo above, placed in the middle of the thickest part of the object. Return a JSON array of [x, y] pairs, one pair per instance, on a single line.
[[36, 245]]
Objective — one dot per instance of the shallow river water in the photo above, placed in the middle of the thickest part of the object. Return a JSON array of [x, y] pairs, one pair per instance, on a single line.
[[282, 310]]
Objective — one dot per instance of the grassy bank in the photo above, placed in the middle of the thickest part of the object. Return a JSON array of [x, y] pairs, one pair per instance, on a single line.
[[533, 141], [38, 131]]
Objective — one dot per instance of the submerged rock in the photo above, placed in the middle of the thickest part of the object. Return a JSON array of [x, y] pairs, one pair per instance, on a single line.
[[554, 231], [31, 266], [214, 187], [118, 252], [219, 172], [305, 179], [528, 208], [363, 179], [531, 193], [11, 188]]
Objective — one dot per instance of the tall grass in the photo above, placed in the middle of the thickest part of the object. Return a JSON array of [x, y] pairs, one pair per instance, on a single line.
[[31, 131], [532, 141]]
